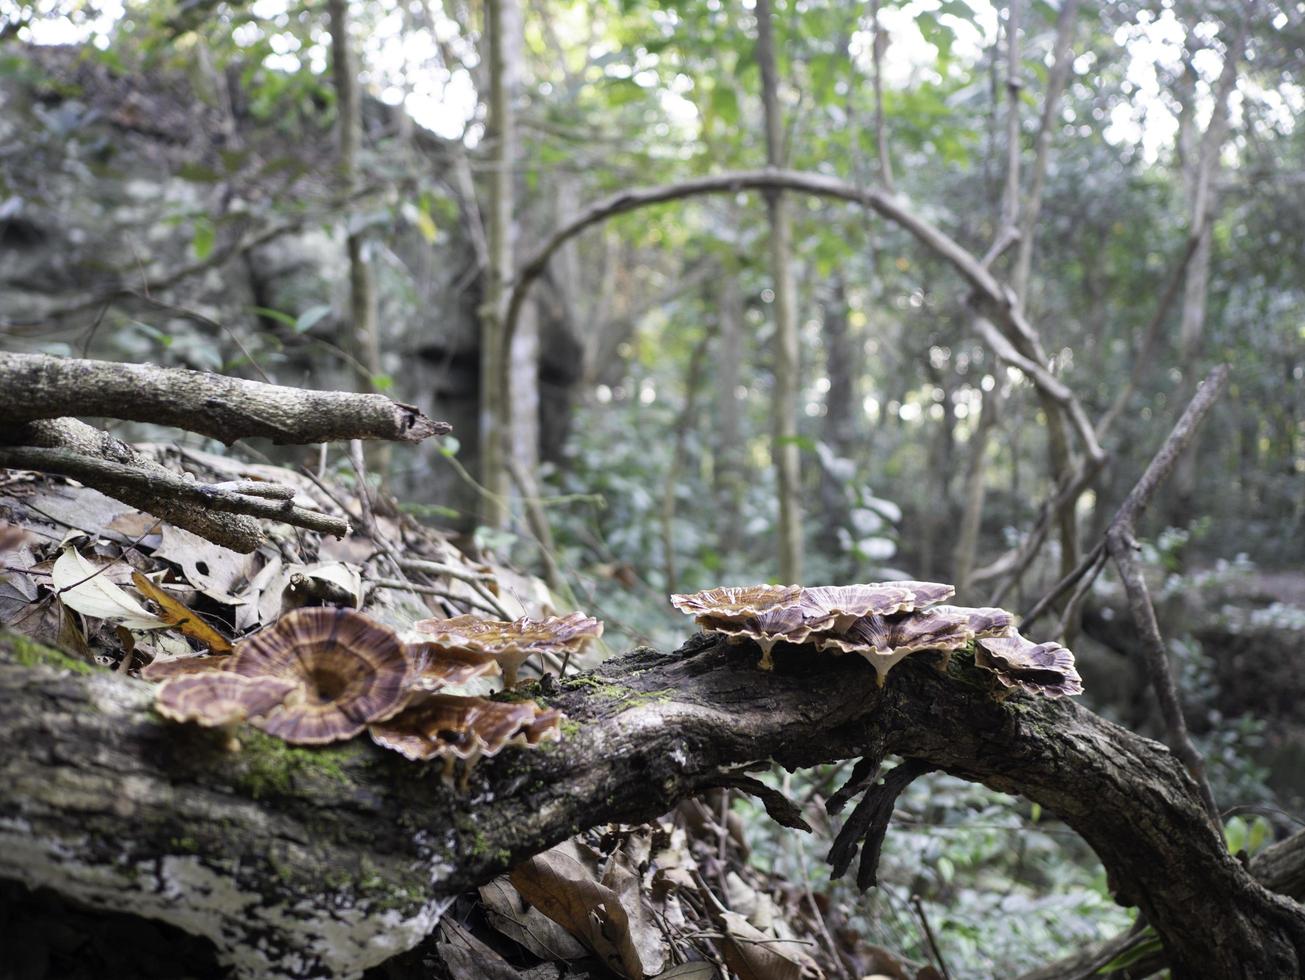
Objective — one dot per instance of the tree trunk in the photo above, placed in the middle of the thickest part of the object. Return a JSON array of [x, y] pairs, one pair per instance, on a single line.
[[298, 862], [784, 447], [839, 424], [1200, 168], [363, 321], [729, 455], [501, 18]]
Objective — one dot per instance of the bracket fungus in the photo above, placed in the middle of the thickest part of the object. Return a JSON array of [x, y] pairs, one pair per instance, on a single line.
[[781, 624], [217, 699], [848, 603], [435, 667], [512, 644], [886, 640], [1035, 668], [884, 622], [737, 604], [167, 667], [452, 727], [348, 671]]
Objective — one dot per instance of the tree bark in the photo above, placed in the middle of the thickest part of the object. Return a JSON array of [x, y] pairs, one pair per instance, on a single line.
[[296, 862], [784, 449]]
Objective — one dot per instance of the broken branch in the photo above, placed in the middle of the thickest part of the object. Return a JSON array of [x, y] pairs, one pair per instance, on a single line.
[[37, 386]]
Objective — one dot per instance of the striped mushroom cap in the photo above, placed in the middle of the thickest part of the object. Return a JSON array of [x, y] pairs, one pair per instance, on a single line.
[[788, 624], [737, 604], [167, 667], [216, 698], [347, 671], [512, 644], [848, 603], [434, 667], [885, 640], [448, 726], [1035, 668], [984, 621]]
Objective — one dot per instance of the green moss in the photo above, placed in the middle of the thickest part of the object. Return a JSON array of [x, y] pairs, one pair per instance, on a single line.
[[628, 697], [569, 729], [267, 766], [187, 844], [29, 653]]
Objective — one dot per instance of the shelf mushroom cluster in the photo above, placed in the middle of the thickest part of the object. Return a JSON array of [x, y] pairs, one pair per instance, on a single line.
[[323, 675], [883, 622]]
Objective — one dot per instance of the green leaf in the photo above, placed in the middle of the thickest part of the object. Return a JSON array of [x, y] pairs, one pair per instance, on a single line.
[[425, 223], [204, 238], [725, 103], [1035, 812], [802, 442], [382, 382], [310, 317], [271, 314]]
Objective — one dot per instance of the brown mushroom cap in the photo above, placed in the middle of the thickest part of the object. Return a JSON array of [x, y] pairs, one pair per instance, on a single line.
[[433, 667], [787, 624], [161, 670], [445, 725], [1036, 668], [736, 604], [347, 670], [216, 698], [512, 644], [848, 603], [885, 640], [984, 621]]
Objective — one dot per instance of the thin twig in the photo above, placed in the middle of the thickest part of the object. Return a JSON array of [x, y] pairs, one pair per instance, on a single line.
[[1121, 543], [928, 934]]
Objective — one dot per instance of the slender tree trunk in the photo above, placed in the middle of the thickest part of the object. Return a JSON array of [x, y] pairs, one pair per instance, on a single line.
[[784, 446], [1200, 176], [363, 320], [502, 16], [683, 425], [838, 425], [729, 409]]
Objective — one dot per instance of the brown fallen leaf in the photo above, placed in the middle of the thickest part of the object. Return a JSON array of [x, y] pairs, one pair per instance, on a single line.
[[605, 912], [754, 955], [511, 915], [174, 613], [467, 958]]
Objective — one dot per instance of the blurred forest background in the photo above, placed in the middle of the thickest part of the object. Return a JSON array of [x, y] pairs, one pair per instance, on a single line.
[[745, 384]]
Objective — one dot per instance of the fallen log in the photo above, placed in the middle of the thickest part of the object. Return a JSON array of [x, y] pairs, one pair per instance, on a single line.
[[299, 862]]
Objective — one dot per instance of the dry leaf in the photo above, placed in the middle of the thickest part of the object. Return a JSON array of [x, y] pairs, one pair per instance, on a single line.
[[80, 588], [608, 915], [182, 618], [753, 955], [690, 971], [510, 914], [218, 572], [468, 958]]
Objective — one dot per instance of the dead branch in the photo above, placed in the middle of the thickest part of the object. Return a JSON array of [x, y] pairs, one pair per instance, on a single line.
[[36, 386], [235, 531], [115, 478], [299, 862]]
